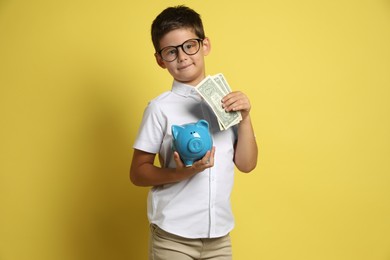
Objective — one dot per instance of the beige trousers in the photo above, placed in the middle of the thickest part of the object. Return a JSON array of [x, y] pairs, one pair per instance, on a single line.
[[166, 246]]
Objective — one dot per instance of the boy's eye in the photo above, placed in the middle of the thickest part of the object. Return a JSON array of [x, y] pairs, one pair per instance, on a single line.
[[188, 45], [170, 52]]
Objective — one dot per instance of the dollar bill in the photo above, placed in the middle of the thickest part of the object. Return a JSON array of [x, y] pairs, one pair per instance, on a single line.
[[213, 92], [220, 79], [222, 82]]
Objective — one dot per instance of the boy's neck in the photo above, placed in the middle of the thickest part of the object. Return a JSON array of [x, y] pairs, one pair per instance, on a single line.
[[192, 83]]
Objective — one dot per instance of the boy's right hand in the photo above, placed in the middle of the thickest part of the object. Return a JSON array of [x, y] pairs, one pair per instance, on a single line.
[[206, 162]]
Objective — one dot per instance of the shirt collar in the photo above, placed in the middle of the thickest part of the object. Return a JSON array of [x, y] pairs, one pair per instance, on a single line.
[[183, 89]]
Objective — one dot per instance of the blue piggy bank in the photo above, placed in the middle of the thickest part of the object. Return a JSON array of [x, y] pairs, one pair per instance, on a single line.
[[191, 141]]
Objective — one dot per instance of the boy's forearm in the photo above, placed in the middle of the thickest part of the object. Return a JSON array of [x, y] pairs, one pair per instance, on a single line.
[[246, 149], [151, 175], [143, 172]]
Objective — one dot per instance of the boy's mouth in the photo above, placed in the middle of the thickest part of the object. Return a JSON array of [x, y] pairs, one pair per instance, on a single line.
[[184, 67]]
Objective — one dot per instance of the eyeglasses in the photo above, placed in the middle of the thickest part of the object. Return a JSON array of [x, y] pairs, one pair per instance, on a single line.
[[189, 47]]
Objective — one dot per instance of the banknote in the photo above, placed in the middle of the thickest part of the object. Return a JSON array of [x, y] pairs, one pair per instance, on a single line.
[[213, 92], [222, 82], [220, 79], [225, 91]]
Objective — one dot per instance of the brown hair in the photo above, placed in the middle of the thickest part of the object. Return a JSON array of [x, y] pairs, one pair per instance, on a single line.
[[173, 18]]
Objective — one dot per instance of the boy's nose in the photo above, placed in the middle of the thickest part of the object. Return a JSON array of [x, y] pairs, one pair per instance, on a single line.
[[181, 55]]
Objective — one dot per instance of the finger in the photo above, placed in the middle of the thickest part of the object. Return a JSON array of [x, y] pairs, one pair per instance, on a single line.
[[240, 104], [177, 159], [206, 162], [208, 159], [231, 95], [234, 101], [228, 103], [236, 106], [212, 154], [229, 98]]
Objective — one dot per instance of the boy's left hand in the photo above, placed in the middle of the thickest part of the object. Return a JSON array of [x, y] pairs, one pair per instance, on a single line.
[[237, 101]]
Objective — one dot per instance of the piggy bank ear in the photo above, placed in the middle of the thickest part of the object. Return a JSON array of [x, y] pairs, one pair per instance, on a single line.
[[203, 123], [176, 130]]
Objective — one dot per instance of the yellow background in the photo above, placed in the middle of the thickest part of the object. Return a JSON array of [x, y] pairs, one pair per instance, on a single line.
[[76, 75]]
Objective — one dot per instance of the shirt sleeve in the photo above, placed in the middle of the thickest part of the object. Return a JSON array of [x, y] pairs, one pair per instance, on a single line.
[[151, 130]]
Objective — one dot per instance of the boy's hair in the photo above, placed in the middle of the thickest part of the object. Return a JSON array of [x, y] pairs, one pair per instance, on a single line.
[[172, 18]]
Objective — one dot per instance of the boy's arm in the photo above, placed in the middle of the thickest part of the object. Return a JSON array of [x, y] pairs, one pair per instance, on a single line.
[[245, 154], [143, 172]]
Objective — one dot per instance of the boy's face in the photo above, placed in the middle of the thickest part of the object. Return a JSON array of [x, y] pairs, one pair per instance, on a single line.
[[188, 69]]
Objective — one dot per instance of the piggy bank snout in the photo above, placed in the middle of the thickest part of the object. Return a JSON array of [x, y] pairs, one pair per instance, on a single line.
[[195, 145]]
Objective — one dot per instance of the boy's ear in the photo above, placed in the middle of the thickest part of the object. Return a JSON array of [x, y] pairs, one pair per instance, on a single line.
[[206, 46], [159, 61]]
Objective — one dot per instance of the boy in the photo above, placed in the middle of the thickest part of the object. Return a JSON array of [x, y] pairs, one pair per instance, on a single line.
[[189, 207]]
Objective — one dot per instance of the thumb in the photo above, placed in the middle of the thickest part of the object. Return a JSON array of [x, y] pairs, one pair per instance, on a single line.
[[176, 157]]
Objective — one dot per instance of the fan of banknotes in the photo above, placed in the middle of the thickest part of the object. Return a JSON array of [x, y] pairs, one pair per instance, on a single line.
[[213, 89]]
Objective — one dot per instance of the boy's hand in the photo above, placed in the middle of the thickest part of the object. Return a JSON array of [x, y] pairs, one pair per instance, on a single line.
[[206, 162], [237, 101]]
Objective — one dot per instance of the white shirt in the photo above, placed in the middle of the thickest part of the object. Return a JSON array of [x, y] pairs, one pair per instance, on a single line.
[[198, 207]]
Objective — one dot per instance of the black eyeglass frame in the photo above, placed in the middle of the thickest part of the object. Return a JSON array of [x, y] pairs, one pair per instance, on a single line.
[[199, 40]]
